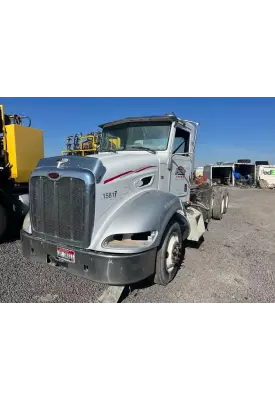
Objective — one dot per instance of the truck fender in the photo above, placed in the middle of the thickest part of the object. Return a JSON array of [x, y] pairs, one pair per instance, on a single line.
[[149, 211]]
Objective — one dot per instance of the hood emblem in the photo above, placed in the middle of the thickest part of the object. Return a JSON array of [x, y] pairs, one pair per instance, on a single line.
[[60, 163], [53, 175]]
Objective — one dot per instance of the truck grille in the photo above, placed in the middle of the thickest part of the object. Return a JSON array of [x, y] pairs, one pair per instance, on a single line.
[[59, 208]]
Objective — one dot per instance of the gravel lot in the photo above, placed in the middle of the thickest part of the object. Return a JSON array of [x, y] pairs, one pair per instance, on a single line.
[[234, 264]]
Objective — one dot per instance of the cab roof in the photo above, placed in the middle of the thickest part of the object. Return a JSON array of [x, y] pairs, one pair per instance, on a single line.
[[165, 118]]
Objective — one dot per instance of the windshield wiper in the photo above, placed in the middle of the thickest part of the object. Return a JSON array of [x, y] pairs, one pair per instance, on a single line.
[[142, 148]]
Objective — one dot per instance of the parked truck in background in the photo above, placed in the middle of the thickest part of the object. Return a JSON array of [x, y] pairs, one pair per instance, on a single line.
[[265, 176], [21, 147], [124, 214]]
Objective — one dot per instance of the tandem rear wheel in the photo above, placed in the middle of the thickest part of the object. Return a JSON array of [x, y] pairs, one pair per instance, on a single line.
[[220, 201]]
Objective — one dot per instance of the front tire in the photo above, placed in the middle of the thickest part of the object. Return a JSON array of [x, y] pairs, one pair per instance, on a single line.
[[169, 255], [226, 200]]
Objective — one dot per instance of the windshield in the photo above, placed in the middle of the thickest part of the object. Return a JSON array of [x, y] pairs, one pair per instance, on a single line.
[[135, 136]]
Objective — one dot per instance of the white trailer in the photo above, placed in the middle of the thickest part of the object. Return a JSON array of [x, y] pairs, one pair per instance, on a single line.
[[219, 174], [223, 174], [245, 169], [265, 175]]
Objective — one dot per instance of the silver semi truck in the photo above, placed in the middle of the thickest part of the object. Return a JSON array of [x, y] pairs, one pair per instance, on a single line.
[[124, 214]]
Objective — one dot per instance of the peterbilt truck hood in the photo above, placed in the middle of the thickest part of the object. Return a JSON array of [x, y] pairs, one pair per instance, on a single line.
[[126, 163], [104, 165]]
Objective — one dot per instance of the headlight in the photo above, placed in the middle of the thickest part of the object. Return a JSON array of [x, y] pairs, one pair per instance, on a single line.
[[27, 224], [130, 240]]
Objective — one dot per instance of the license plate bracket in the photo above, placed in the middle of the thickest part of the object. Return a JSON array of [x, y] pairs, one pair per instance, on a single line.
[[65, 254]]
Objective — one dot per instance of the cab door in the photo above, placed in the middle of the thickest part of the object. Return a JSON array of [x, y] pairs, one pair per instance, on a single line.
[[181, 165]]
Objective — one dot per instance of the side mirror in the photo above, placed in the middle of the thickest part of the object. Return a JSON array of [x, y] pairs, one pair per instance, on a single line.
[[170, 163]]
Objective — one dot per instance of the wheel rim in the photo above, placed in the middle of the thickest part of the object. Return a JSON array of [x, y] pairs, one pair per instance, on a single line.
[[222, 206], [172, 252], [226, 202]]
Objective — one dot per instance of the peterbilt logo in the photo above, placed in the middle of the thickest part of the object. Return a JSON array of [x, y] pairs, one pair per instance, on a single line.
[[180, 172], [61, 162], [53, 175]]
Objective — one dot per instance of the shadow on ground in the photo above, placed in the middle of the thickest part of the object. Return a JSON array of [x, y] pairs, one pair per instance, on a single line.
[[13, 232], [148, 282]]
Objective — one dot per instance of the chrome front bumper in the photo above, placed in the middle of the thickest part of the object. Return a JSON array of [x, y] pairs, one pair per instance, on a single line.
[[112, 269]]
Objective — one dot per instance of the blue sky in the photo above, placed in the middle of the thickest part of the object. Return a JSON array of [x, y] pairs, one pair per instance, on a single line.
[[231, 128]]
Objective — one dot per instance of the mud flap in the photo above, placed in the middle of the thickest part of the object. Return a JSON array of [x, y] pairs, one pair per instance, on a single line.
[[196, 222]]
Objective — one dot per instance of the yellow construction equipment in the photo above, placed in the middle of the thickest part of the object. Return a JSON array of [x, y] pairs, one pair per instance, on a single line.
[[80, 145], [114, 143], [21, 147]]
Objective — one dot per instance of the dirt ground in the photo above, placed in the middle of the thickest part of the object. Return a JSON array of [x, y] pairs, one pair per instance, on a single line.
[[235, 263]]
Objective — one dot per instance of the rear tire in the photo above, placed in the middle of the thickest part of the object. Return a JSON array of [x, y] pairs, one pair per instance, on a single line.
[[3, 222], [226, 199], [211, 205], [218, 204], [169, 255]]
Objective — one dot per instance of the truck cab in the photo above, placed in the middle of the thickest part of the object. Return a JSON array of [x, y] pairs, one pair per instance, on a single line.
[[123, 214], [171, 142]]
